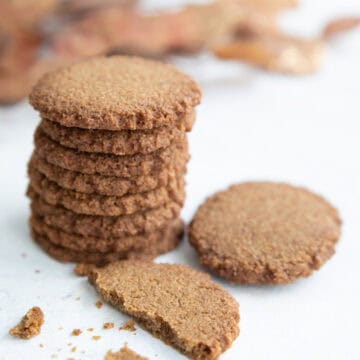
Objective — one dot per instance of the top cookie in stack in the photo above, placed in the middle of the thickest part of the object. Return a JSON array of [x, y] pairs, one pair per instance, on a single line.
[[107, 172]]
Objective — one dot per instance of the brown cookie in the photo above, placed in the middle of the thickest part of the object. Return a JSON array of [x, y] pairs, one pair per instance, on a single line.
[[106, 164], [115, 93], [63, 254], [124, 142], [94, 204], [104, 226], [104, 245], [263, 232], [106, 185], [181, 306]]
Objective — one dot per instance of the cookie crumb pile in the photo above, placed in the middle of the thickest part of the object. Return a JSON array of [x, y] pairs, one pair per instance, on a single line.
[[264, 233], [30, 324], [107, 172], [123, 354]]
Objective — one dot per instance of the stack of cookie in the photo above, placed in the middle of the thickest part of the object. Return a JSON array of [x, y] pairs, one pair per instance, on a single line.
[[107, 172]]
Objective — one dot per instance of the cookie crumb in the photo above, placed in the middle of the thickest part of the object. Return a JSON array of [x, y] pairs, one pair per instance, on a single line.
[[90, 329], [96, 337], [108, 325], [123, 354], [30, 324], [73, 349], [129, 325], [99, 304], [41, 345], [76, 332], [82, 269]]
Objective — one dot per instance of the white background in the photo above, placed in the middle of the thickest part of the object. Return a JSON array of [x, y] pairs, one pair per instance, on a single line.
[[250, 125]]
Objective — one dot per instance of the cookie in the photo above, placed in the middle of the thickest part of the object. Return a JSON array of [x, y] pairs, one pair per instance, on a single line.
[[94, 204], [124, 142], [179, 305], [104, 226], [264, 233], [105, 185], [115, 93], [63, 254], [106, 164], [105, 245]]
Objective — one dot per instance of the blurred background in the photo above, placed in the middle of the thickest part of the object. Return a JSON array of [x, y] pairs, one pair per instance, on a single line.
[[281, 85]]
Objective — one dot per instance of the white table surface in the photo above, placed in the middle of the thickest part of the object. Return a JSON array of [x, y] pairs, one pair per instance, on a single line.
[[250, 125]]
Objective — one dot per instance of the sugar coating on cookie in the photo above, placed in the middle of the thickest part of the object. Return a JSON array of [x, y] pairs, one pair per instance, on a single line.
[[114, 93], [181, 306], [263, 232]]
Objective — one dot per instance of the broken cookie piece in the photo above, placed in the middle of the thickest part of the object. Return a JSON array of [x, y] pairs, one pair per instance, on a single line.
[[179, 305], [123, 354], [30, 324]]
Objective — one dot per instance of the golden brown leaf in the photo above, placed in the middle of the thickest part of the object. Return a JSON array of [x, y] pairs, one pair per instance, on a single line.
[[278, 53], [340, 25]]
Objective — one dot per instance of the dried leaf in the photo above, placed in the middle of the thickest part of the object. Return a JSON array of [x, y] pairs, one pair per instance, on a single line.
[[278, 53], [190, 29], [16, 85], [18, 48], [80, 6], [340, 25], [26, 13], [266, 5]]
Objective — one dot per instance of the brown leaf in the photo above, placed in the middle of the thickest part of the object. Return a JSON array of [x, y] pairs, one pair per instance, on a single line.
[[16, 85], [340, 25], [187, 30], [266, 5], [278, 53], [80, 6]]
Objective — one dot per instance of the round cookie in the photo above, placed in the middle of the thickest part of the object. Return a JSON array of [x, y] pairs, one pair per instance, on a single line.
[[104, 245], [106, 164], [63, 254], [115, 93], [106, 185], [124, 142], [94, 204], [104, 226], [181, 306], [264, 233]]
